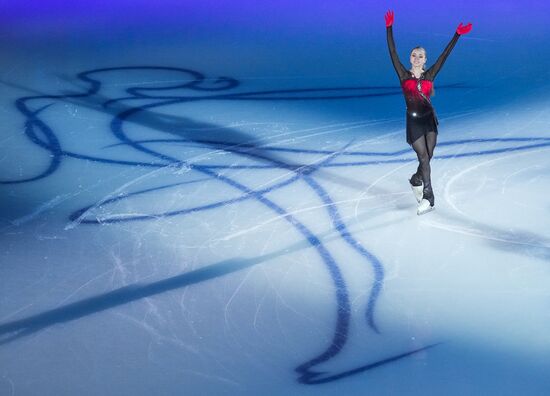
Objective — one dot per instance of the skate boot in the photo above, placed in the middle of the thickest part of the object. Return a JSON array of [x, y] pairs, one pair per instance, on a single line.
[[427, 203], [417, 186]]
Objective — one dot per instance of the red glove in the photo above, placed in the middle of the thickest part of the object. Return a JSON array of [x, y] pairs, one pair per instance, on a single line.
[[461, 29], [389, 18]]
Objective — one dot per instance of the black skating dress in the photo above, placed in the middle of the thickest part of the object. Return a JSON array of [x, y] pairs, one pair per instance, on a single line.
[[421, 117]]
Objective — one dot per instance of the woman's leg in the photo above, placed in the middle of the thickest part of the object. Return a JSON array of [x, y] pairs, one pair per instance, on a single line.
[[423, 147], [431, 141]]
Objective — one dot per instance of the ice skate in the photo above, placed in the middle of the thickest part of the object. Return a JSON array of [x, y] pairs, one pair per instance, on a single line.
[[427, 202], [424, 207], [417, 186]]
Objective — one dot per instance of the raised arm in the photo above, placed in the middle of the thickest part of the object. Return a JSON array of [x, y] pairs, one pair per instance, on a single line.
[[434, 69], [398, 66]]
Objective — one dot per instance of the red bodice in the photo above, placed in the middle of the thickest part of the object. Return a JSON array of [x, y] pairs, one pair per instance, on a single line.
[[410, 87], [418, 102]]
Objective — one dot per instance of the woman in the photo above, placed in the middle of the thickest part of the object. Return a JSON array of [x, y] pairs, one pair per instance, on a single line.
[[417, 85]]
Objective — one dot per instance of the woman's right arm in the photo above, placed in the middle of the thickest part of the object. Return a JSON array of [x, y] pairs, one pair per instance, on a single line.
[[398, 66]]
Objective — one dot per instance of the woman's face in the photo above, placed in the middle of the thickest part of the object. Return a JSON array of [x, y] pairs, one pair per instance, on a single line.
[[418, 58]]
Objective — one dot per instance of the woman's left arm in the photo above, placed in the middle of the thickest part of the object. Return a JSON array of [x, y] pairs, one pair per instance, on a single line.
[[434, 69]]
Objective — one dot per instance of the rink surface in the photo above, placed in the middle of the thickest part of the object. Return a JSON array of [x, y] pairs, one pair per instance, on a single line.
[[221, 207]]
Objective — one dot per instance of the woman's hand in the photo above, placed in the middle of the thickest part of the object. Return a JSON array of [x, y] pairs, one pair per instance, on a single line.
[[389, 18], [461, 29]]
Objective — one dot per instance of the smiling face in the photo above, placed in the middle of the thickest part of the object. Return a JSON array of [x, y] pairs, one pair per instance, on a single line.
[[418, 57]]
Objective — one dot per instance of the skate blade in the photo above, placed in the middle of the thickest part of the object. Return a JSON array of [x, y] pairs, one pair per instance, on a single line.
[[424, 207], [418, 192]]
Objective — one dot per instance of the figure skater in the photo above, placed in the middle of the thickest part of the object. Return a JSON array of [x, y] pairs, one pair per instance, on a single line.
[[417, 85]]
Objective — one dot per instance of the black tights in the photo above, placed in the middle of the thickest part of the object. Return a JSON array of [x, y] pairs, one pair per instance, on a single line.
[[424, 148]]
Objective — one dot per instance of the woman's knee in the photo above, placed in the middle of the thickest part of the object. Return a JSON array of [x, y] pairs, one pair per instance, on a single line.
[[423, 157]]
